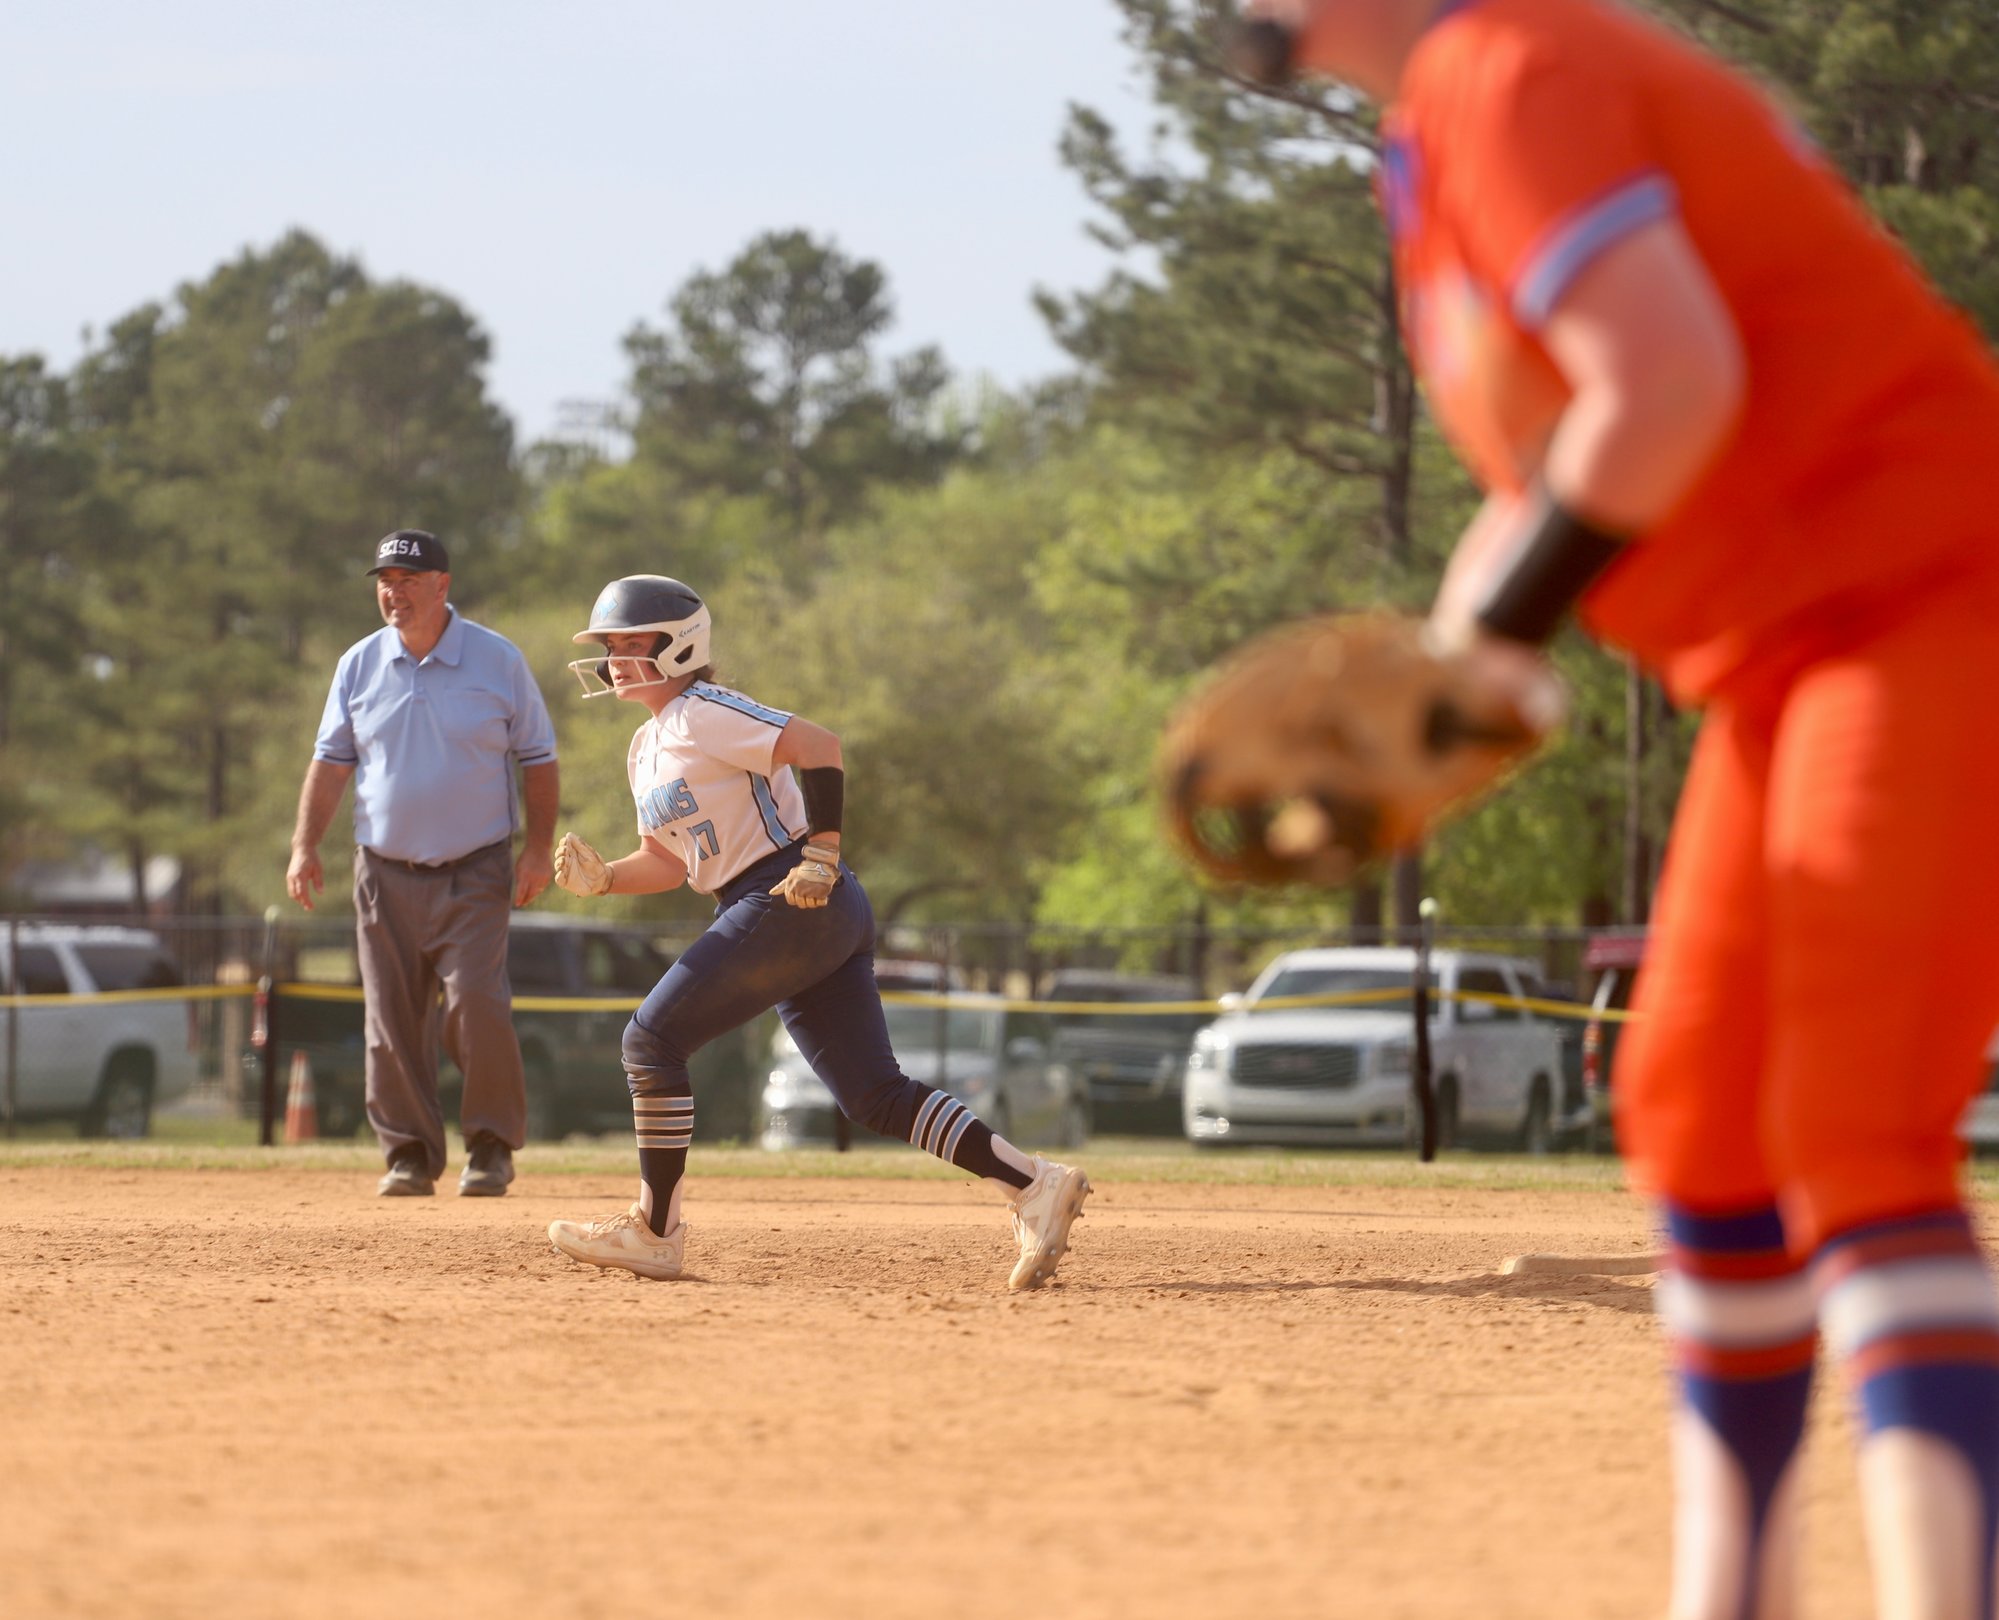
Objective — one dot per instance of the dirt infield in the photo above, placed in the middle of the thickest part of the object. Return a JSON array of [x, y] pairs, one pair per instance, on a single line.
[[231, 1394]]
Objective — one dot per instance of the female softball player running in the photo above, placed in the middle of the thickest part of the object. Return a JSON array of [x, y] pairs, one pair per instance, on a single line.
[[793, 930]]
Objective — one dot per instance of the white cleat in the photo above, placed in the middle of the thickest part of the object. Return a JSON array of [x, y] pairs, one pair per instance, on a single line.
[[623, 1240], [1043, 1212]]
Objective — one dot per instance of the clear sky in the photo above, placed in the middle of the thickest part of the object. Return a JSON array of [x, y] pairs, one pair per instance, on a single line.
[[559, 168]]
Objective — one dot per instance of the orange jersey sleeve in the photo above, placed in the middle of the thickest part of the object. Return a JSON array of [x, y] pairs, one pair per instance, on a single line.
[[1556, 169]]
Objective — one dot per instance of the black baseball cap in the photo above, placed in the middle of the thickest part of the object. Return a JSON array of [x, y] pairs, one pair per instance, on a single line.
[[414, 549]]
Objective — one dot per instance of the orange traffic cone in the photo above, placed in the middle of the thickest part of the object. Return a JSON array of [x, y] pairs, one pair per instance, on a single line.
[[301, 1108]]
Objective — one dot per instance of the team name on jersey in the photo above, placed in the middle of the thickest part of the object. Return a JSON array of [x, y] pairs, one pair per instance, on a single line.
[[666, 804]]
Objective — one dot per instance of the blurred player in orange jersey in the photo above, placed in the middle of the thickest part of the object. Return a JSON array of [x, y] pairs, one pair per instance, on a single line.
[[1718, 410]]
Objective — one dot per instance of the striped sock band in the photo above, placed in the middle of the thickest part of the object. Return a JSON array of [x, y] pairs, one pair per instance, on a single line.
[[947, 1127], [663, 1122], [941, 1124], [1739, 1311], [1910, 1310], [665, 1128]]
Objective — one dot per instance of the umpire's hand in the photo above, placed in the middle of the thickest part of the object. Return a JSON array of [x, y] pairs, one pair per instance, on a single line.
[[304, 877], [533, 868]]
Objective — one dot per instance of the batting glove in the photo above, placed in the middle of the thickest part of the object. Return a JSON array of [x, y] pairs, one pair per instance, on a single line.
[[579, 868], [810, 882]]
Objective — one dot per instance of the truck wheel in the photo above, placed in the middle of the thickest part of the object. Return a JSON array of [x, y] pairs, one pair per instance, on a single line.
[[1075, 1122], [1537, 1131], [123, 1106], [1447, 1116]]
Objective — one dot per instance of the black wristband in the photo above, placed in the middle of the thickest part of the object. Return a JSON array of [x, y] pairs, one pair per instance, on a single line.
[[825, 791], [1555, 557]]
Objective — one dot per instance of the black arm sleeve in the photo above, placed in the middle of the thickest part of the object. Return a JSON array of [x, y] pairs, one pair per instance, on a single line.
[[1555, 557], [824, 788]]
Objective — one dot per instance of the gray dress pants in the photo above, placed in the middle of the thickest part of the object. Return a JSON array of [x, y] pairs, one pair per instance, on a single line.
[[421, 930]]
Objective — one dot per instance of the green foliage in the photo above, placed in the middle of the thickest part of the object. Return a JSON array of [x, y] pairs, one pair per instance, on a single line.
[[247, 442], [1902, 94], [921, 647], [765, 384], [994, 601], [50, 515]]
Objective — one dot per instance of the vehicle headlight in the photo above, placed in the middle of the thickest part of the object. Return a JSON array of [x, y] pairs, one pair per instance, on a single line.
[[777, 1088], [782, 1045], [1206, 1053], [1396, 1058]]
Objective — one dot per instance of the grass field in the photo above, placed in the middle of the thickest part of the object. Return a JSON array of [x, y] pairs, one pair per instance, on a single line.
[[195, 1143], [208, 1142]]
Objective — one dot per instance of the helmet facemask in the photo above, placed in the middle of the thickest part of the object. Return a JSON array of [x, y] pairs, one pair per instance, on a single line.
[[671, 658]]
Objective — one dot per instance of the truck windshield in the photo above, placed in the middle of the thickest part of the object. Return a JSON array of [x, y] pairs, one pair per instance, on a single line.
[[1340, 982]]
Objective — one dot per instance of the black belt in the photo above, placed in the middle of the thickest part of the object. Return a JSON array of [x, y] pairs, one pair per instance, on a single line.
[[431, 866]]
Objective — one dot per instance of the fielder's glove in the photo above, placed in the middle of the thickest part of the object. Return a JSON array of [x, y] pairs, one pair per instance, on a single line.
[[810, 882], [1325, 745], [579, 868]]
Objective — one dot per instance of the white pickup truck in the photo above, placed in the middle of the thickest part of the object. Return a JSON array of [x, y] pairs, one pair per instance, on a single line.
[[1333, 1075], [102, 1064]]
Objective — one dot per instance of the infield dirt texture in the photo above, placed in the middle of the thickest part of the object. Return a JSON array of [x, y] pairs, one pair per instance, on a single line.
[[254, 1393]]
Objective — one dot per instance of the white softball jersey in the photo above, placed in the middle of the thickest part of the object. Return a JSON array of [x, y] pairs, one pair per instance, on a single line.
[[702, 780]]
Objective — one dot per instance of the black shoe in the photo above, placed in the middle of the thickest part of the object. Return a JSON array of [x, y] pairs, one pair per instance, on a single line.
[[408, 1176], [488, 1170]]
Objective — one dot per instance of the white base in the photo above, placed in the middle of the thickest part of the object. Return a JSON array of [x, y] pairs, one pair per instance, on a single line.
[[1583, 1265]]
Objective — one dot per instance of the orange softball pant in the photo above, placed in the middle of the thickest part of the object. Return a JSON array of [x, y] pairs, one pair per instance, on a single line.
[[1823, 975]]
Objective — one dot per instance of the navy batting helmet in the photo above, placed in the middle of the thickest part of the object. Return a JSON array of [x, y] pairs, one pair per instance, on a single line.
[[641, 602]]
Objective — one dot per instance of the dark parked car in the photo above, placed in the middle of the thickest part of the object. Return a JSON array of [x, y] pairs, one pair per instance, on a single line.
[[575, 1080], [1133, 1062], [995, 1060]]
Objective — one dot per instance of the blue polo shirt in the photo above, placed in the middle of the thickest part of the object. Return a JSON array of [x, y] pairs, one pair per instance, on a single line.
[[433, 742]]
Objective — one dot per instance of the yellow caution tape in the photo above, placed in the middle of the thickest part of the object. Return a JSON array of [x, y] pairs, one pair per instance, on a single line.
[[295, 991], [106, 998]]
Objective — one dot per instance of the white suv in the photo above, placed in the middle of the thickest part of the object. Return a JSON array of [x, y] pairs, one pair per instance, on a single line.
[[103, 1064], [1333, 1075]]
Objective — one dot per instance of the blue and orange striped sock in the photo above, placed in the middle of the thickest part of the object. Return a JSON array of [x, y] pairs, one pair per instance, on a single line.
[[1911, 1312], [1739, 1311]]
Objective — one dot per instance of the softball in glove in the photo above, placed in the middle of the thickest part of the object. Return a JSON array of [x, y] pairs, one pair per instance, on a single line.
[[1328, 744]]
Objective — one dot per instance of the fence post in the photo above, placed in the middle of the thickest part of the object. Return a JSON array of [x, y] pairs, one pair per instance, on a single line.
[[1419, 1057], [13, 1020], [267, 987], [946, 954]]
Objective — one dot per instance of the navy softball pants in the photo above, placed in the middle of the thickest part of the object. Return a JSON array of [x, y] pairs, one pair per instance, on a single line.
[[816, 967]]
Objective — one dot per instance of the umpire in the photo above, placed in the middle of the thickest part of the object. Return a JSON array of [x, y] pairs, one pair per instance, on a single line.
[[429, 716]]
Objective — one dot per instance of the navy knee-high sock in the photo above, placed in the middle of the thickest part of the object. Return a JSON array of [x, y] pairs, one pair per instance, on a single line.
[[1739, 1310], [665, 1128], [1910, 1310]]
